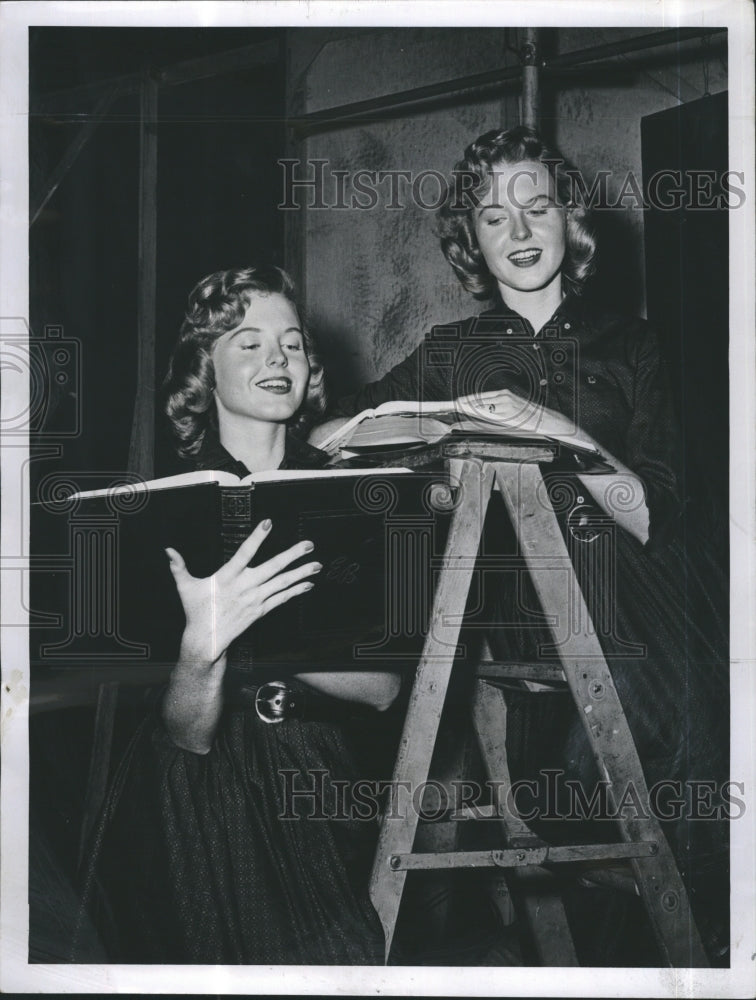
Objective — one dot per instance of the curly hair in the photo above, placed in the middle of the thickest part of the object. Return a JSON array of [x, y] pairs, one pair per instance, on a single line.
[[216, 305], [471, 180]]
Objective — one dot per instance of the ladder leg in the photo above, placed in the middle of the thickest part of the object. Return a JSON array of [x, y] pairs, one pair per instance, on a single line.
[[542, 904], [595, 696], [429, 691]]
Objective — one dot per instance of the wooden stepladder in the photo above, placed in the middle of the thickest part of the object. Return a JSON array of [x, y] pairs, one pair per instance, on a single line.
[[514, 470]]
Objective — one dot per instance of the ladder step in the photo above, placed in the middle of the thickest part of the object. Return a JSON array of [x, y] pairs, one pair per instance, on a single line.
[[521, 856], [494, 670]]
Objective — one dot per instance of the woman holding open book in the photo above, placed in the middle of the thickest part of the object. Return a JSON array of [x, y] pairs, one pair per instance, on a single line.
[[200, 856], [544, 360]]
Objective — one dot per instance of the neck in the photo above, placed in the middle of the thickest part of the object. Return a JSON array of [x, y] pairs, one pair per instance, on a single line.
[[538, 306], [260, 445]]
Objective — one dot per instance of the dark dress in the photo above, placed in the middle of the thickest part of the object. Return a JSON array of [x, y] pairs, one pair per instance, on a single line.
[[660, 610], [192, 860]]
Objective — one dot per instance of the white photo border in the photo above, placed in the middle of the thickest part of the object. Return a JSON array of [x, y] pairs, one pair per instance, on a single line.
[[16, 975]]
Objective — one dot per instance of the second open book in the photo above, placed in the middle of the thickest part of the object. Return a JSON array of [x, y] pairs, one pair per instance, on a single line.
[[406, 422]]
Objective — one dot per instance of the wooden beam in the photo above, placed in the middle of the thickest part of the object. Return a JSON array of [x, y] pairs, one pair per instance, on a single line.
[[63, 102], [294, 222], [68, 102], [234, 61], [142, 447], [99, 761], [78, 143]]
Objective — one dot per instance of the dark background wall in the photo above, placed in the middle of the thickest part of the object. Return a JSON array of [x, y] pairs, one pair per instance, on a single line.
[[219, 139]]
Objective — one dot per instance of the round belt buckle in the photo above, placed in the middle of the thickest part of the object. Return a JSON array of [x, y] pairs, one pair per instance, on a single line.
[[271, 702], [581, 521]]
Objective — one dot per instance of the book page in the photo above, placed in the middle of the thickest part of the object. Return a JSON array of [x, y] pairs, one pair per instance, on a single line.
[[200, 476], [424, 421], [295, 475], [194, 478]]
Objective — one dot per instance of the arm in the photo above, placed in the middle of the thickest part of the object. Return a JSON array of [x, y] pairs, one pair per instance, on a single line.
[[218, 609], [643, 496], [375, 688], [621, 494], [193, 703]]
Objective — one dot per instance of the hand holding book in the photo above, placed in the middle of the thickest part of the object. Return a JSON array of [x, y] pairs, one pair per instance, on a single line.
[[501, 413], [507, 412], [605, 485], [218, 609]]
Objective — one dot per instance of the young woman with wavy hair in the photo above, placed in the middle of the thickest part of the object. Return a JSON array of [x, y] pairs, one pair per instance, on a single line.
[[202, 855], [544, 357]]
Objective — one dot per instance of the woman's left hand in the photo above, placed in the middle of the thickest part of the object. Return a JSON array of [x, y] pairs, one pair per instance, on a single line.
[[505, 408]]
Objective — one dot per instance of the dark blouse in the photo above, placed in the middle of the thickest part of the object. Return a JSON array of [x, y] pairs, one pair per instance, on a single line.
[[660, 610], [602, 370], [297, 455], [243, 854]]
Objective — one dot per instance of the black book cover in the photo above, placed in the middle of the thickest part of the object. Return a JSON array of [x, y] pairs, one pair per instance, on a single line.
[[103, 594]]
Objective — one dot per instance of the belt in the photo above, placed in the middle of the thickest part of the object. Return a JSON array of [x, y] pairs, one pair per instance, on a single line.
[[277, 701]]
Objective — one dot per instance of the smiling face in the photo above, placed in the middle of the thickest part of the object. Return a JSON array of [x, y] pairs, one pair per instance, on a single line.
[[521, 231], [261, 366]]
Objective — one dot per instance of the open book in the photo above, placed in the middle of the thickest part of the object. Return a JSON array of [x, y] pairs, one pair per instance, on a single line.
[[400, 423], [198, 477], [103, 592]]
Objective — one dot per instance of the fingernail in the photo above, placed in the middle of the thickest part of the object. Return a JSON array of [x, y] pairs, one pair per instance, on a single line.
[[267, 524], [308, 586], [169, 554], [316, 567], [308, 546]]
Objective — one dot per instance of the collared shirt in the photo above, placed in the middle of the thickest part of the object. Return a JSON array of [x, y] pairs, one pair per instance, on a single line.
[[600, 369], [297, 455]]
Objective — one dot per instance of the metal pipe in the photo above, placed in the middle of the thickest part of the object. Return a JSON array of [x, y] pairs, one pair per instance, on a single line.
[[530, 109]]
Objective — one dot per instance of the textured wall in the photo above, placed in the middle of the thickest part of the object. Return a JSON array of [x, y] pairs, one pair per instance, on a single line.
[[596, 121], [374, 279]]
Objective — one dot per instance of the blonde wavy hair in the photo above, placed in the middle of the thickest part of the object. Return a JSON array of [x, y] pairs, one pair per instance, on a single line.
[[471, 180], [216, 305]]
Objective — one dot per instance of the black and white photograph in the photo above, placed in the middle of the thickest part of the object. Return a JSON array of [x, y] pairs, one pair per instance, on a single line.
[[378, 498]]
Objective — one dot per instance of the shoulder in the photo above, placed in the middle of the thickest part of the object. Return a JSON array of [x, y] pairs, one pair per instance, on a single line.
[[600, 319], [461, 330], [625, 337]]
